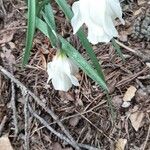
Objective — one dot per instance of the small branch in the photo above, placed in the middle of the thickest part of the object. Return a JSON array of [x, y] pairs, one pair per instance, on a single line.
[[12, 28], [13, 106], [61, 136], [88, 147], [135, 52], [26, 114], [25, 91], [147, 138]]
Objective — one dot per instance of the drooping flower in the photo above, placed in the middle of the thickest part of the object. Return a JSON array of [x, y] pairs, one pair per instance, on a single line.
[[99, 16], [62, 71]]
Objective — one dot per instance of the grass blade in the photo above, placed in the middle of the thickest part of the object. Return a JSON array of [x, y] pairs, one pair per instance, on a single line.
[[30, 30], [50, 20]]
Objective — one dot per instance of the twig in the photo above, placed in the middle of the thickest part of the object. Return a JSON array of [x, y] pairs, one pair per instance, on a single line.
[[12, 28], [13, 101], [131, 77], [135, 52], [13, 106], [25, 91], [95, 126], [26, 113], [126, 47], [88, 147], [61, 136], [147, 138], [3, 124]]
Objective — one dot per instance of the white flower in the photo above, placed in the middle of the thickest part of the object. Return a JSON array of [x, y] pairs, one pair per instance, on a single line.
[[99, 16], [62, 70]]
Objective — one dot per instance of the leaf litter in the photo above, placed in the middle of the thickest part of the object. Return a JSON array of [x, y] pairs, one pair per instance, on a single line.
[[83, 111]]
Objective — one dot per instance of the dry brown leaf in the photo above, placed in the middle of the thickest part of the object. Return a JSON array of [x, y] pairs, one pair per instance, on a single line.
[[120, 144], [136, 119], [5, 143], [130, 93]]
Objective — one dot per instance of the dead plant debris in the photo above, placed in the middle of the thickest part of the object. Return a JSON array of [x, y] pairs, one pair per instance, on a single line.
[[34, 116]]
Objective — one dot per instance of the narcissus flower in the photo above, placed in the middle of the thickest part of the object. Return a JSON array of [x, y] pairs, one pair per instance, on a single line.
[[62, 71], [99, 16]]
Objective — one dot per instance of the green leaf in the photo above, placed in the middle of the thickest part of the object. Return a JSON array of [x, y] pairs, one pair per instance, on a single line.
[[117, 48], [30, 30], [49, 19], [42, 26], [41, 4], [65, 8], [75, 55], [50, 16], [83, 64], [69, 14]]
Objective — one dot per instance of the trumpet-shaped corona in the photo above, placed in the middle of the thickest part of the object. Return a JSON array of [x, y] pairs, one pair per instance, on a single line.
[[62, 71], [99, 16]]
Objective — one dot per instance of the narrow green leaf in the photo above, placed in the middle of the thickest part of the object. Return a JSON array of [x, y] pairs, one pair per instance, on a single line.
[[42, 26], [49, 19], [65, 8], [75, 55], [117, 48], [83, 64], [41, 4], [69, 14], [30, 30], [50, 16]]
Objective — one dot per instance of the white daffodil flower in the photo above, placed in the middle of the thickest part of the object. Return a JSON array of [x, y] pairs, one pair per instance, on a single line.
[[99, 16], [62, 71]]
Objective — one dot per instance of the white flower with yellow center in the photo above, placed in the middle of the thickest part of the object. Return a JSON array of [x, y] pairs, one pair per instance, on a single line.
[[62, 71], [99, 16]]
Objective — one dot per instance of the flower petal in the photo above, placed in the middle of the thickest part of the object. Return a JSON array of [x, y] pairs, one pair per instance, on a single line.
[[115, 9], [97, 34], [61, 82], [76, 21], [109, 27], [49, 71], [74, 80], [73, 67]]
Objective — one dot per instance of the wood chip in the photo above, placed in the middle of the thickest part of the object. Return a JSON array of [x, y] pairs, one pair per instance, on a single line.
[[136, 119], [5, 143], [120, 144], [130, 93]]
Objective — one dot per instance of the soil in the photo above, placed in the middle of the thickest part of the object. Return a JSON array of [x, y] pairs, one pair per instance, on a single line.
[[83, 110]]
